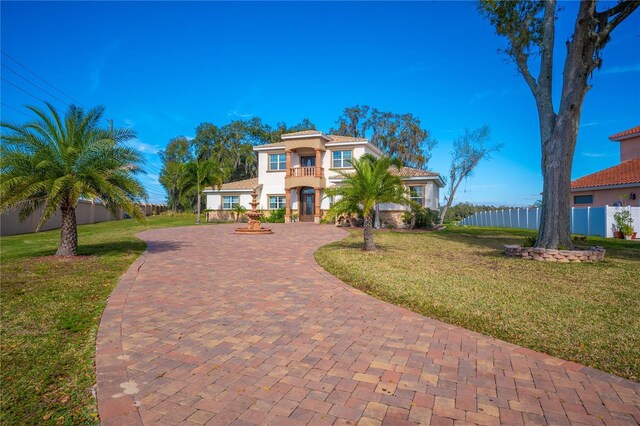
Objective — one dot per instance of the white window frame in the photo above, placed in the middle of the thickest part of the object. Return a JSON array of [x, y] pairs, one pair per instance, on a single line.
[[345, 163], [280, 203], [231, 204], [280, 162], [416, 198]]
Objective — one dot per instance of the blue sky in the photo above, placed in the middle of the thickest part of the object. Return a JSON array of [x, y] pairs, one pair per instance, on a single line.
[[163, 68]]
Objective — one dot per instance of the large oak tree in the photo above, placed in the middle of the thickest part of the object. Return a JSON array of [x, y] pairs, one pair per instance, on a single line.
[[398, 135], [529, 27]]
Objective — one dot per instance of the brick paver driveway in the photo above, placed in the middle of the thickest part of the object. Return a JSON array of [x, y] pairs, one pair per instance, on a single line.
[[209, 327]]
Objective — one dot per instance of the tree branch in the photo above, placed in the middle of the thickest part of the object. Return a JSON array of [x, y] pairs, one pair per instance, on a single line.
[[620, 12], [521, 61]]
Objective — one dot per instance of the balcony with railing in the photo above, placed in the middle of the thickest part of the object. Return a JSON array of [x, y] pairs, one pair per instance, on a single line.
[[304, 171], [312, 176]]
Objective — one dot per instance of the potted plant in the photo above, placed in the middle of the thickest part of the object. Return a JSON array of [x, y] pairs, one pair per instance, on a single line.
[[624, 223]]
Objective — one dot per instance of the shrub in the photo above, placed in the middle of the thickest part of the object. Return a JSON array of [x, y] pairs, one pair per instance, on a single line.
[[529, 242], [624, 221], [420, 217], [276, 216]]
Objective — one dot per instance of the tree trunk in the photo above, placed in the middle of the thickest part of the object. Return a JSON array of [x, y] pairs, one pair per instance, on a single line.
[[555, 228], [198, 210], [454, 189], [559, 134], [368, 234], [68, 233]]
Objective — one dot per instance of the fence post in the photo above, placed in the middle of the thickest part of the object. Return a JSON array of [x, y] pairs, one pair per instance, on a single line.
[[526, 217], [537, 218], [588, 220], [572, 221], [92, 211]]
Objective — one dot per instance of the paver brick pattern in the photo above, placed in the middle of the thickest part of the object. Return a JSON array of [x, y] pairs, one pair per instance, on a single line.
[[209, 327]]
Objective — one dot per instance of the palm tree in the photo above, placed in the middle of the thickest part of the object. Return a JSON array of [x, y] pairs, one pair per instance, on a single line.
[[53, 161], [239, 211], [197, 175], [372, 183]]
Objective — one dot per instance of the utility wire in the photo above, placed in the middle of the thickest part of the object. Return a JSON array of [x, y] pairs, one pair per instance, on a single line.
[[42, 79], [15, 109], [39, 77], [110, 122], [35, 85], [22, 90]]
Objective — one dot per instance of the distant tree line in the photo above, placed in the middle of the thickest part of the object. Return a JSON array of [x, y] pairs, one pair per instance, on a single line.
[[462, 210]]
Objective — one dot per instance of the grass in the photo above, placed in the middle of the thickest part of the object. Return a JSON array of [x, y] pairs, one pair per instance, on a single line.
[[50, 313], [588, 313]]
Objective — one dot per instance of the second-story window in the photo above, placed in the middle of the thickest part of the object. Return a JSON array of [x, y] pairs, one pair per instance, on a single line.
[[277, 161], [341, 159]]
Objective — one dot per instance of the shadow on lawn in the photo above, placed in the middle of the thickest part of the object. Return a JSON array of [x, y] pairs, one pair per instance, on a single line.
[[495, 241]]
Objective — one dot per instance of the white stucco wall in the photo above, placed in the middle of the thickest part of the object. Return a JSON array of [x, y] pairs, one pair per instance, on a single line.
[[273, 182], [214, 200]]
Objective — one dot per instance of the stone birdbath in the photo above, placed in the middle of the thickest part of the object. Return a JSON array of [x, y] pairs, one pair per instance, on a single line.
[[253, 227]]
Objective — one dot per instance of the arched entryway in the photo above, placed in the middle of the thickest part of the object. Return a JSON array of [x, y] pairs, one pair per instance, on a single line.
[[307, 204]]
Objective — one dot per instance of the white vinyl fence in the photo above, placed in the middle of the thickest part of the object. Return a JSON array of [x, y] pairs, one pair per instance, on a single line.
[[86, 212], [584, 220]]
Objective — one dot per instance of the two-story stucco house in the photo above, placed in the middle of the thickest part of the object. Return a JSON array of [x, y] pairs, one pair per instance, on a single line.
[[295, 172]]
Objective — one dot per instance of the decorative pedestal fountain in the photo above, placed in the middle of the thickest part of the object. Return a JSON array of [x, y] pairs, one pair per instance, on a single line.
[[253, 227]]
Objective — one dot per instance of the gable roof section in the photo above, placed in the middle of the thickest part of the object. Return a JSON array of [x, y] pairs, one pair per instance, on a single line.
[[239, 185], [339, 138], [409, 172], [269, 145], [624, 173], [629, 133], [303, 133]]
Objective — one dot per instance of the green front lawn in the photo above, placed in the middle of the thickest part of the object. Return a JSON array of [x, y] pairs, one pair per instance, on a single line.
[[50, 313], [588, 313]]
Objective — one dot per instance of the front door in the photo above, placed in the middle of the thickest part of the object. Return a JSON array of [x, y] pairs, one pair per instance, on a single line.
[[307, 205]]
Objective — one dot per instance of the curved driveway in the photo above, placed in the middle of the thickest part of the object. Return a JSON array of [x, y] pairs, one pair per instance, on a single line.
[[209, 327]]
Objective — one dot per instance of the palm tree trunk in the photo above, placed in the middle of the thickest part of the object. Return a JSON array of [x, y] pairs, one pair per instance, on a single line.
[[68, 233], [369, 245]]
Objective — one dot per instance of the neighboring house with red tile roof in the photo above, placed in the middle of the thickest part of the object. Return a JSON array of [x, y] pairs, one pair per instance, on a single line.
[[621, 182], [294, 173]]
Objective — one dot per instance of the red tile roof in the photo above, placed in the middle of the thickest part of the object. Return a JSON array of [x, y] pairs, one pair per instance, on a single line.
[[303, 133], [239, 185], [339, 138], [634, 131], [624, 173], [409, 172]]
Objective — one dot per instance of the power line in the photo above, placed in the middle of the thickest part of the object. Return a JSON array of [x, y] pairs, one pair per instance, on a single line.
[[22, 90], [47, 82], [110, 122], [15, 109], [35, 85], [41, 78]]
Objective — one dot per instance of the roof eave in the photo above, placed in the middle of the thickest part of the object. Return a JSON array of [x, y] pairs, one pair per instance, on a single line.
[[311, 135], [612, 186], [621, 138]]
